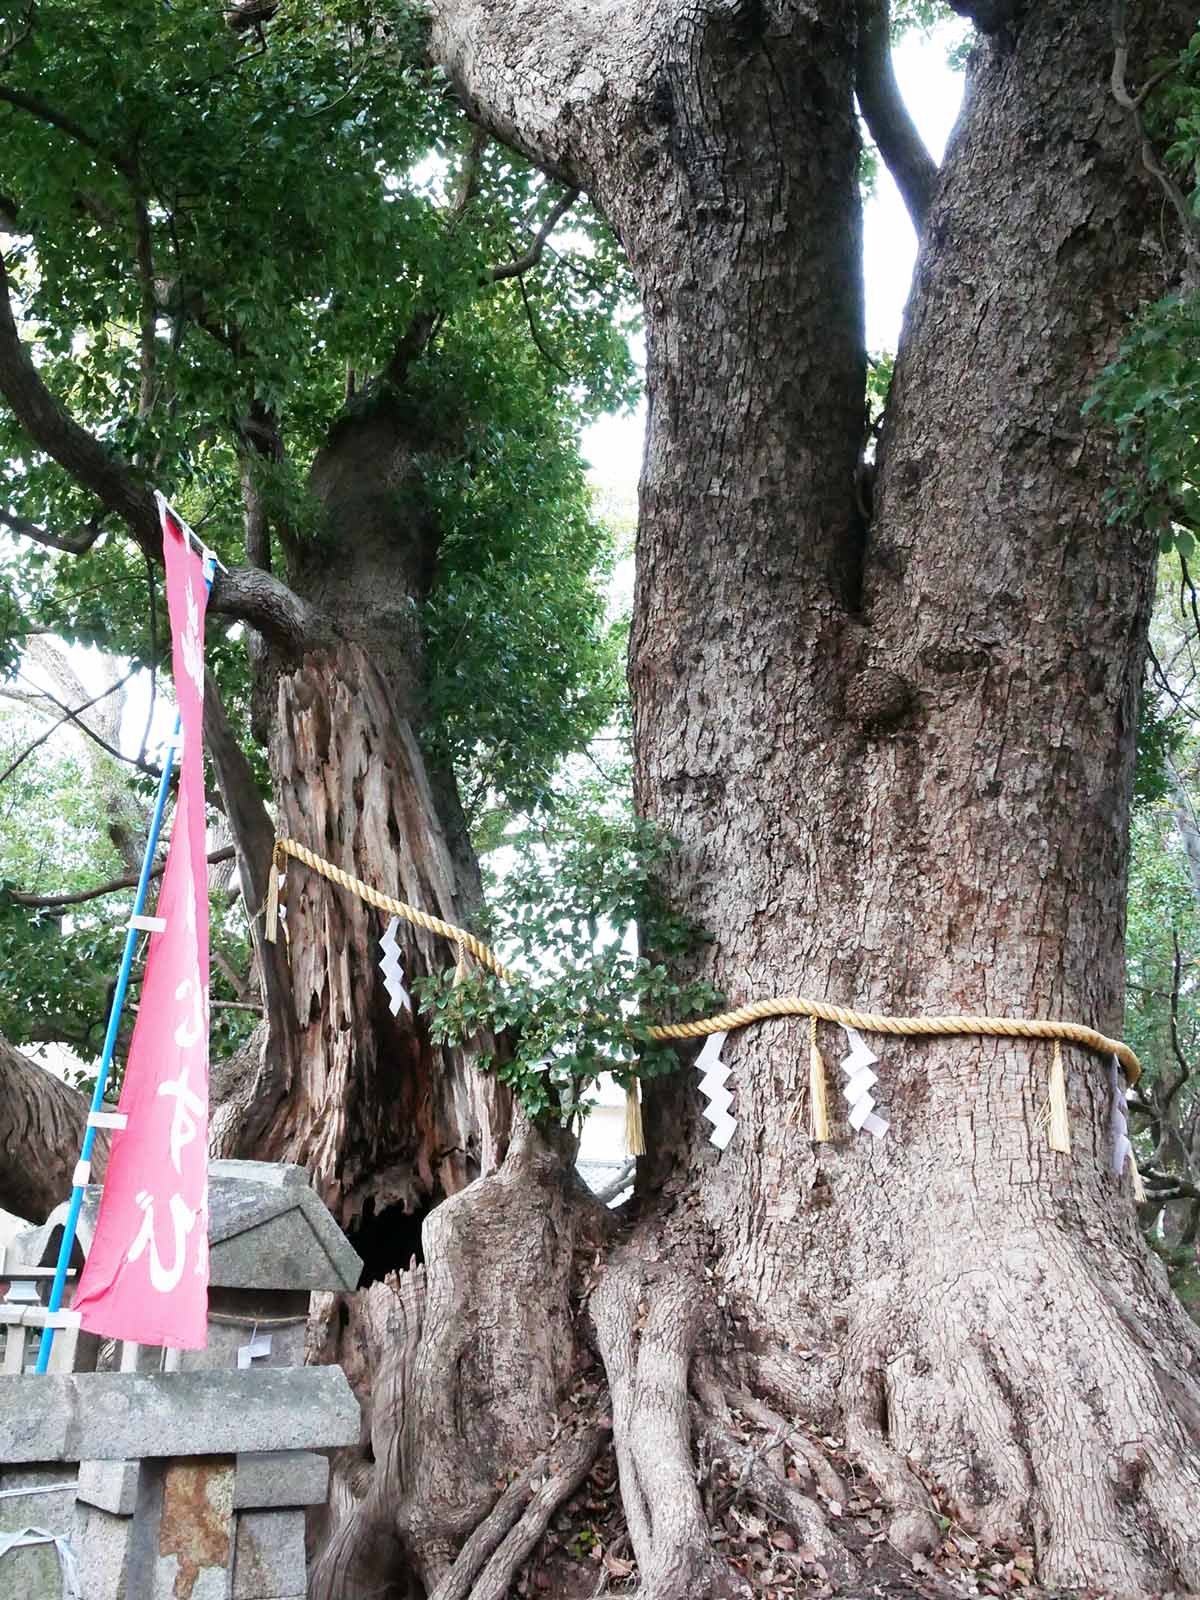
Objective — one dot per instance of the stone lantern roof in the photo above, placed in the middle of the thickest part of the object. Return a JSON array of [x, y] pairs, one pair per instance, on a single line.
[[267, 1229]]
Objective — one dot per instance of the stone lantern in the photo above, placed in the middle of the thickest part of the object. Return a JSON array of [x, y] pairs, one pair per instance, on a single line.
[[128, 1469]]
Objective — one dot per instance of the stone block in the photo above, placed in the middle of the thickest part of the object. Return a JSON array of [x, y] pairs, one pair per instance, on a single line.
[[195, 1530], [111, 1485], [118, 1416], [103, 1546], [268, 1561], [275, 1478], [31, 1570], [48, 1503]]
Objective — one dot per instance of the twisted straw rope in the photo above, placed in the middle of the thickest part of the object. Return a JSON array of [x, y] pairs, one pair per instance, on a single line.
[[788, 1005], [384, 902]]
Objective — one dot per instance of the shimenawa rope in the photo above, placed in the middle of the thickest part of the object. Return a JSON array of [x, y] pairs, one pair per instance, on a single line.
[[791, 1005]]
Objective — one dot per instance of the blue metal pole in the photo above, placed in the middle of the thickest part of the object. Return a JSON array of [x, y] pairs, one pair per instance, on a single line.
[[110, 1043]]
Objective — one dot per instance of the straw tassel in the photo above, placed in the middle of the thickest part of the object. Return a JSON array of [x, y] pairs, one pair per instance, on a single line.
[[1059, 1128], [1139, 1188], [460, 966], [818, 1098], [635, 1138], [272, 917]]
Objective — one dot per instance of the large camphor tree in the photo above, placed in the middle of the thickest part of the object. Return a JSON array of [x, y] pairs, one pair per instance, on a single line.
[[888, 708], [897, 749]]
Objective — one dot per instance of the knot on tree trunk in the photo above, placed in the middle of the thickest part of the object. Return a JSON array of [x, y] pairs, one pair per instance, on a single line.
[[879, 700]]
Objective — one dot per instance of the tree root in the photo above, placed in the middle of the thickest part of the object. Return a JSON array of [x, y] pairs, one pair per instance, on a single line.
[[914, 1528], [1042, 1416], [490, 1533], [646, 1332], [821, 1469], [505, 1548], [760, 1482]]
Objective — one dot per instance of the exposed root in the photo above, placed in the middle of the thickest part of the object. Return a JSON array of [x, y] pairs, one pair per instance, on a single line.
[[760, 1481], [914, 1528], [647, 1330], [496, 1349], [1043, 1416], [494, 1528], [573, 1464], [821, 1469]]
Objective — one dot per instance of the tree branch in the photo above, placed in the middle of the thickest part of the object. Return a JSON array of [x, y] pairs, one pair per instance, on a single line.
[[249, 595], [56, 902], [75, 545], [14, 34], [42, 1121], [531, 257], [1185, 1069], [1132, 105], [56, 432], [147, 307], [254, 844], [68, 716], [65, 124], [468, 180], [886, 114], [76, 718]]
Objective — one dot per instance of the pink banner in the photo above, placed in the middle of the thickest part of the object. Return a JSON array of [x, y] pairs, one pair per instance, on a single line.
[[146, 1275]]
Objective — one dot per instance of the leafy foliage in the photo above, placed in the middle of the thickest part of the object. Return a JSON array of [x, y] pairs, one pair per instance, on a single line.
[[1162, 1019], [58, 965], [579, 899], [296, 206], [1151, 392], [213, 231], [909, 14]]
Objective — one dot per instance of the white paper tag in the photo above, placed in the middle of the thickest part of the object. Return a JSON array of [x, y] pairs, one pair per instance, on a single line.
[[860, 1080], [393, 971], [259, 1346], [714, 1076]]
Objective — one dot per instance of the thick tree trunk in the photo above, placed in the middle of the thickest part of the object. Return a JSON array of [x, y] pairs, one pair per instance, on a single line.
[[386, 1124], [900, 765]]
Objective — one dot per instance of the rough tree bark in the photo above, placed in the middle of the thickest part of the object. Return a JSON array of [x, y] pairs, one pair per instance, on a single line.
[[899, 759], [42, 1123], [383, 1122]]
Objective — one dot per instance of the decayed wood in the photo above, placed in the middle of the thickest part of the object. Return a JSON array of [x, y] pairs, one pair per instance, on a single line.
[[374, 1111]]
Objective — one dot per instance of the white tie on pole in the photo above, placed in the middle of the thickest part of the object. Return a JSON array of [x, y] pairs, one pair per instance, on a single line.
[[860, 1077], [712, 1085], [393, 970]]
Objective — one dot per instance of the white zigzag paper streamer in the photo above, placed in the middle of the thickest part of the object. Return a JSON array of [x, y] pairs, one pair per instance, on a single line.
[[712, 1086], [859, 1079], [392, 969], [1122, 1147]]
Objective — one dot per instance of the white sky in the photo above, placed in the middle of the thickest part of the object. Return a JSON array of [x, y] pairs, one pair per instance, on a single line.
[[933, 93]]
